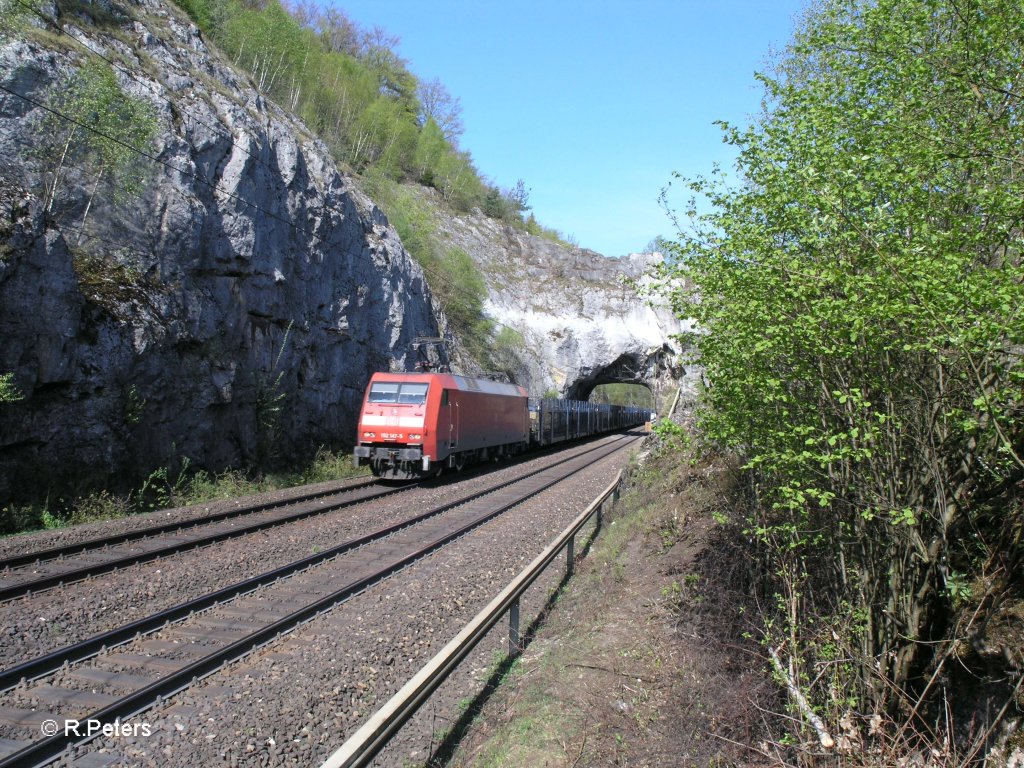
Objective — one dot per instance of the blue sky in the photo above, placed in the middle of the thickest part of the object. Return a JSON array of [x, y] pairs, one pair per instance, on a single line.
[[593, 103]]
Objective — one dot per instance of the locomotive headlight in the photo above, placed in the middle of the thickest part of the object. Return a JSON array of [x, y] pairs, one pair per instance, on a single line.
[[415, 437], [369, 434]]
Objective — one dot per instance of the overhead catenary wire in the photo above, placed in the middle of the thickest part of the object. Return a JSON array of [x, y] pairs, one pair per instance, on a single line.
[[438, 277], [216, 188]]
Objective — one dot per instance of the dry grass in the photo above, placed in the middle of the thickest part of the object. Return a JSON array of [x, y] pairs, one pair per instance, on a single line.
[[643, 660]]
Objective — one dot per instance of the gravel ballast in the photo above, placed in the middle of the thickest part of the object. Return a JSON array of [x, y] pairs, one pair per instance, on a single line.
[[295, 701], [64, 615]]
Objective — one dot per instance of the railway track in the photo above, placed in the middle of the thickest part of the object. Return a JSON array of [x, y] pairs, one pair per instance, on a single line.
[[34, 572], [166, 652], [43, 554]]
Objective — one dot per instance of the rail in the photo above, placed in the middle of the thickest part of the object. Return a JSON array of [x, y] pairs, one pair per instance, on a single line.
[[371, 737], [43, 665], [176, 546], [81, 547]]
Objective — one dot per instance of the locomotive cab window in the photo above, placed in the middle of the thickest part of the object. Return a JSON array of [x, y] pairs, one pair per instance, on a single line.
[[384, 392], [444, 397], [413, 394], [395, 392]]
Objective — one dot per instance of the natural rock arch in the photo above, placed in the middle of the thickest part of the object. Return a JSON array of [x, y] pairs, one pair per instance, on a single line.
[[654, 368]]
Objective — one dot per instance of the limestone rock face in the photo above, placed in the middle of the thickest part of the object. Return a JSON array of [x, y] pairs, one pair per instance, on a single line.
[[583, 316], [232, 311]]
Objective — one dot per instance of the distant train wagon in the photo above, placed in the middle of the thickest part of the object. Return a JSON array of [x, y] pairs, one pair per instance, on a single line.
[[552, 421], [414, 424]]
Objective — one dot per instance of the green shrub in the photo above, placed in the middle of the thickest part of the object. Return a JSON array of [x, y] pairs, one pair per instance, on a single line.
[[9, 391], [858, 291]]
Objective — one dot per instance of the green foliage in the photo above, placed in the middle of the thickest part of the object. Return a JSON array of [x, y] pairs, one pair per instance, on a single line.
[[510, 206], [454, 277], [511, 339], [859, 295], [9, 391], [166, 488], [672, 436], [200, 11], [107, 130], [102, 505], [14, 14], [358, 95], [431, 147], [666, 428], [114, 282], [508, 350], [328, 465]]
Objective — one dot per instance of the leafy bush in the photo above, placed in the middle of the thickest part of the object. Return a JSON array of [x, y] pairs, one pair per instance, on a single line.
[[122, 125], [859, 293], [454, 277], [9, 391]]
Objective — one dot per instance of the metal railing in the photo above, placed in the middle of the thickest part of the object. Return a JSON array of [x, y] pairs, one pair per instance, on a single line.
[[371, 737]]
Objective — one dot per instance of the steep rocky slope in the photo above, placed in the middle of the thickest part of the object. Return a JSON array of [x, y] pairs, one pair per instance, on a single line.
[[585, 318], [234, 309], [231, 311]]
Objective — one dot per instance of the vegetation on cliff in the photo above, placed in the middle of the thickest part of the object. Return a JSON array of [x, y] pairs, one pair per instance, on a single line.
[[353, 89], [859, 291]]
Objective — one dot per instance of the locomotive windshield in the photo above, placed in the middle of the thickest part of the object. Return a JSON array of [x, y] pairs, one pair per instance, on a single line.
[[401, 393]]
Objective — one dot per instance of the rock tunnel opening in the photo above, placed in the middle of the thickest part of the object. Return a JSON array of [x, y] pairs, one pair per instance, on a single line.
[[620, 393], [653, 371]]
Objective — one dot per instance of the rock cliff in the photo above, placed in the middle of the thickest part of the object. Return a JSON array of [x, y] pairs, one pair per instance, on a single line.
[[232, 311], [585, 318]]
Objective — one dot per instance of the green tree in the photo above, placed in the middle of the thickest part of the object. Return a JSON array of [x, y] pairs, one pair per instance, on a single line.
[[201, 12], [9, 391], [458, 181], [519, 197], [351, 87], [858, 291], [431, 147], [385, 138], [438, 105], [494, 204], [95, 125]]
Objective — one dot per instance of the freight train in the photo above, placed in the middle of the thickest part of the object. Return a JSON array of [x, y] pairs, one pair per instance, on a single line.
[[412, 425]]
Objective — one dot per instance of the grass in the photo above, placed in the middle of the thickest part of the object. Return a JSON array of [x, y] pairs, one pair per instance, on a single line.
[[529, 739], [635, 665], [540, 726], [165, 489]]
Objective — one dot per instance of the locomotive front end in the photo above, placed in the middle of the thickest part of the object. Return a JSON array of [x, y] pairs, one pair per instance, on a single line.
[[394, 427]]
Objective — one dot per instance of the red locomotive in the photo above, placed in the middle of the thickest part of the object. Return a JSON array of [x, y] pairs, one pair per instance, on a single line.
[[413, 424]]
